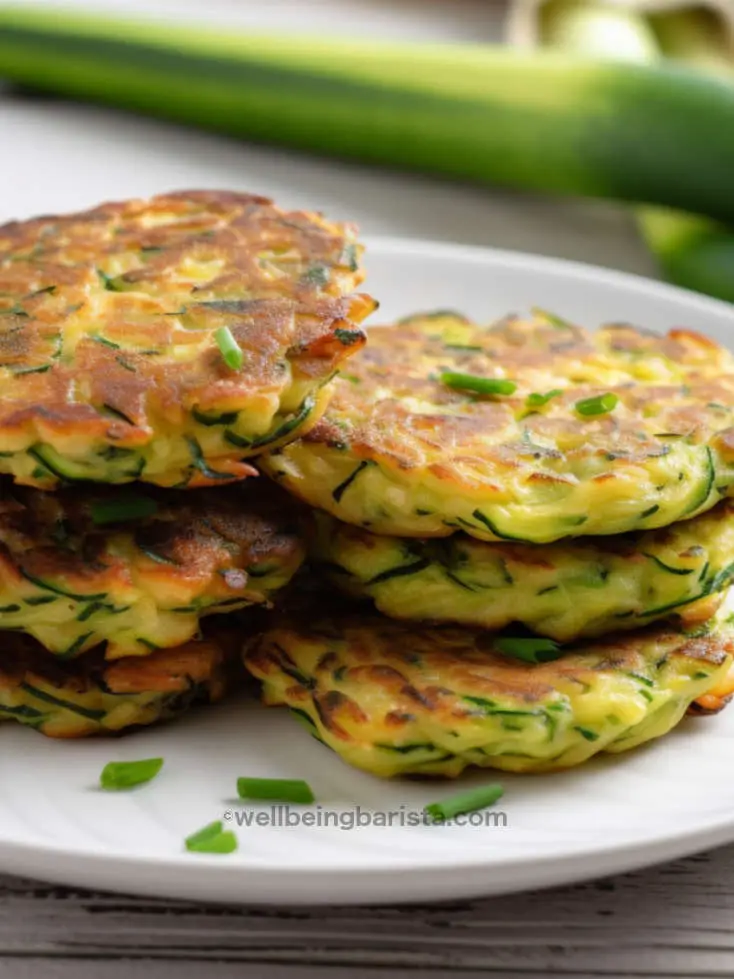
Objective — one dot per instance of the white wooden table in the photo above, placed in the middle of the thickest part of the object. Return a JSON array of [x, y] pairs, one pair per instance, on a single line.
[[675, 920]]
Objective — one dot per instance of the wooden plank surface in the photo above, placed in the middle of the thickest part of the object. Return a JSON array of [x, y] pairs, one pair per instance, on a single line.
[[674, 920]]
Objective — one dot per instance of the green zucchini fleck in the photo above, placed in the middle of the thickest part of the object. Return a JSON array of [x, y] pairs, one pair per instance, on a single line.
[[45, 586], [317, 275], [348, 337], [75, 647], [339, 491], [703, 496], [226, 418], [400, 571], [348, 257], [92, 715], [406, 749], [22, 710], [668, 567], [478, 515], [289, 425], [199, 462], [105, 342], [587, 734]]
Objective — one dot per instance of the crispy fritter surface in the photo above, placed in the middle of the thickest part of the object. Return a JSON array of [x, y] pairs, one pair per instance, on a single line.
[[403, 453], [74, 576], [109, 360], [394, 698], [92, 696], [584, 587]]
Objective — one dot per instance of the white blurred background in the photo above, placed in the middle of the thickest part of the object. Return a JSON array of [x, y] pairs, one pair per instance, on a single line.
[[59, 156]]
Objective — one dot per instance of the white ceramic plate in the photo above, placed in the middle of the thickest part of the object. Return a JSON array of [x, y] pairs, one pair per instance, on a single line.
[[662, 801]]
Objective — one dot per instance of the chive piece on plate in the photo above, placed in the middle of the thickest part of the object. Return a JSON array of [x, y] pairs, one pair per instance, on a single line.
[[230, 349], [480, 385], [280, 789], [122, 508], [537, 400], [532, 650], [127, 774], [471, 801], [602, 404], [211, 839]]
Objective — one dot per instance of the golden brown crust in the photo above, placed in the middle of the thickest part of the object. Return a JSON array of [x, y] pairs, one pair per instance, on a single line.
[[406, 451], [107, 322], [74, 578], [397, 698], [90, 696]]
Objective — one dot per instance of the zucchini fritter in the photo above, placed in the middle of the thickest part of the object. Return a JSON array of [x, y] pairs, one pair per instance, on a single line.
[[92, 696], [403, 452], [564, 590], [138, 569], [395, 698], [109, 358]]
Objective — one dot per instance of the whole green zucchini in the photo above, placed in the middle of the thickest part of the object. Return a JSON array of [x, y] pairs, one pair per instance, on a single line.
[[691, 251], [543, 122]]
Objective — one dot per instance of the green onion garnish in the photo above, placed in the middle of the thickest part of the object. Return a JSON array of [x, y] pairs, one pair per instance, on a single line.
[[481, 385], [280, 789], [212, 839], [122, 508], [531, 650], [599, 405], [537, 400], [231, 350], [455, 805], [126, 774]]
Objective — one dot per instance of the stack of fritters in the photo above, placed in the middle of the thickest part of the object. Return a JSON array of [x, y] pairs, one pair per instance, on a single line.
[[565, 490], [519, 539], [117, 332]]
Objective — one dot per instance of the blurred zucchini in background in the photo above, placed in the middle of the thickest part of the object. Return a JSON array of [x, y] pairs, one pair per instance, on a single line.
[[542, 122], [692, 251]]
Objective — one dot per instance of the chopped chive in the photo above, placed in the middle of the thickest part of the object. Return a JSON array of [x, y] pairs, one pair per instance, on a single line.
[[126, 774], [600, 405], [211, 839], [481, 385], [531, 650], [280, 789], [537, 400], [122, 508], [471, 801], [230, 349]]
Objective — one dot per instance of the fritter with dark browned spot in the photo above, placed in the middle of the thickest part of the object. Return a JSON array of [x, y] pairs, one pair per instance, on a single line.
[[530, 430], [115, 327], [138, 569]]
